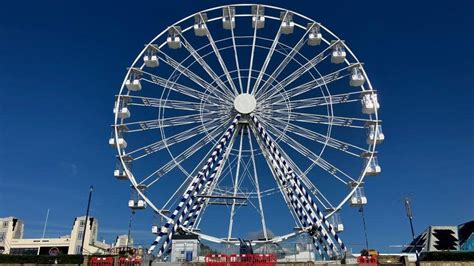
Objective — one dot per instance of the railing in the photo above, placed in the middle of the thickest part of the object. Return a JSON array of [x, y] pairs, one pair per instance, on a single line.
[[109, 261], [240, 260]]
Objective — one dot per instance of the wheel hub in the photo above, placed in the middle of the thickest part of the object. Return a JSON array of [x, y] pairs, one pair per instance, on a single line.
[[245, 103]]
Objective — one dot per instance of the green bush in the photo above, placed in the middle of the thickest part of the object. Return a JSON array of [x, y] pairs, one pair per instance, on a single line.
[[41, 259], [447, 256]]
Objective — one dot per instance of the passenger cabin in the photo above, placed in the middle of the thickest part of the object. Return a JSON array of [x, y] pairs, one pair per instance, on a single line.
[[357, 77], [137, 204], [370, 103], [358, 199], [200, 28], [173, 40], [336, 222], [228, 17], [375, 134], [151, 60], [120, 174], [121, 143], [315, 36], [123, 112], [133, 84], [372, 164], [338, 54], [258, 16], [287, 24]]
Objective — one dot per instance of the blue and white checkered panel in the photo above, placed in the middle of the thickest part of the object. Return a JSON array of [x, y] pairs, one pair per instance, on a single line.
[[299, 210], [297, 185], [192, 190], [197, 207]]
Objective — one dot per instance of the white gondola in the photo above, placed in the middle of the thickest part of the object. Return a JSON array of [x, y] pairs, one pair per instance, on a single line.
[[120, 174], [120, 142], [336, 222], [123, 113], [228, 18], [200, 28], [151, 60], [357, 77], [375, 134], [370, 103], [141, 204], [358, 199], [137, 205], [338, 54], [258, 18], [174, 42], [373, 167], [133, 84], [287, 24], [154, 229], [315, 36], [259, 21]]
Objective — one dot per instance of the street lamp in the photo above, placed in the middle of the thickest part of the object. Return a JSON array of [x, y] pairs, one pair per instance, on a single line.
[[87, 218], [410, 217]]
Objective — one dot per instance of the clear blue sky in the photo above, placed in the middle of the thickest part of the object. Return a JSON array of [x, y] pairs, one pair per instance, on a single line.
[[62, 62]]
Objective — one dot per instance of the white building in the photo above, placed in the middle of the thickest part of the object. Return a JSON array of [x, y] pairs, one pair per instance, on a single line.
[[14, 243], [184, 248], [10, 228]]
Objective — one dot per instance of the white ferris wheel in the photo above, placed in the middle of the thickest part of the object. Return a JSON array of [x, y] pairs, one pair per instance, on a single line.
[[234, 110]]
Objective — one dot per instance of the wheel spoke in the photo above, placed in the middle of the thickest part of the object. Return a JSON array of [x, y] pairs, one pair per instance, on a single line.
[[340, 145], [249, 79], [269, 55], [204, 65], [298, 73], [162, 171], [139, 126], [166, 103], [322, 119], [164, 143], [316, 159], [219, 58], [236, 56], [316, 83], [318, 101], [196, 78], [304, 178], [281, 66]]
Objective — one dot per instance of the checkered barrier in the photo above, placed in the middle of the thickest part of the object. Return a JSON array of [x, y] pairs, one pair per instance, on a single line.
[[192, 190], [298, 187]]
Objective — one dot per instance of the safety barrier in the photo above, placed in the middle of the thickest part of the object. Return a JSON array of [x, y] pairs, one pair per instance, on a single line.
[[101, 261], [367, 260], [216, 260], [129, 262], [240, 260]]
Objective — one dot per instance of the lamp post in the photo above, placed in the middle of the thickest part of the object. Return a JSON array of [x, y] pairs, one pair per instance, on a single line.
[[410, 218], [361, 210], [87, 218]]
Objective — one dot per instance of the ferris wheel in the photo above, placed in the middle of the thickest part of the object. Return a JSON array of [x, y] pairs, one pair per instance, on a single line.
[[236, 113]]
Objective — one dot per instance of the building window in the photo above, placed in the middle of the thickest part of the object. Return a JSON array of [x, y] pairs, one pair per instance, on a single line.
[[2, 236], [81, 223], [78, 250], [5, 224], [80, 234]]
